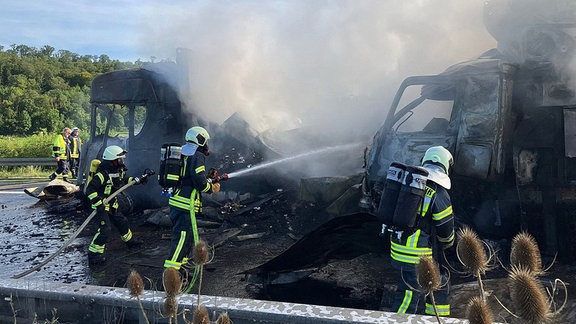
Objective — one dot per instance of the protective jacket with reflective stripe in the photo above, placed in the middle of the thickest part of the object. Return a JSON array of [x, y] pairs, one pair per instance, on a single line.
[[105, 182], [436, 217], [61, 147], [75, 146], [194, 182]]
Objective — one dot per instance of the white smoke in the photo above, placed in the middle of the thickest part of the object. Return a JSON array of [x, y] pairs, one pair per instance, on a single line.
[[331, 65]]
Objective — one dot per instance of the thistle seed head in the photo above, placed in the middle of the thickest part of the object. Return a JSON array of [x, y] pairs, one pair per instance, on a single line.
[[471, 252], [478, 311], [170, 306], [528, 296], [171, 281], [201, 253], [201, 315], [135, 284], [428, 275], [525, 253], [224, 318]]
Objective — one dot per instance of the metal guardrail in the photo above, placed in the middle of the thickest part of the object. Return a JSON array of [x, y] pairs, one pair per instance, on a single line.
[[27, 161]]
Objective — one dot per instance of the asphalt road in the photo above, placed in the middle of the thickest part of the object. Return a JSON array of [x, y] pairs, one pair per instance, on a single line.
[[33, 229]]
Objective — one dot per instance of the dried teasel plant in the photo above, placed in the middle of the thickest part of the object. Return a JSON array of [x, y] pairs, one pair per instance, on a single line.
[[474, 254], [224, 318], [532, 301], [172, 282], [478, 311], [202, 255], [170, 308], [429, 279], [135, 285], [525, 253], [200, 316], [529, 296]]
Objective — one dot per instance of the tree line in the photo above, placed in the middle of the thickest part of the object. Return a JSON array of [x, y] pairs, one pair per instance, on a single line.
[[44, 90]]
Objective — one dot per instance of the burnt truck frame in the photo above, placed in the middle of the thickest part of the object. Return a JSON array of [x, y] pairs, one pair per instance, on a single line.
[[512, 131], [141, 109], [138, 109]]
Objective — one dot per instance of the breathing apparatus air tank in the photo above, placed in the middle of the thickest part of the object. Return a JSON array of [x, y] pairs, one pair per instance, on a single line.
[[392, 185], [412, 192], [170, 167], [94, 164]]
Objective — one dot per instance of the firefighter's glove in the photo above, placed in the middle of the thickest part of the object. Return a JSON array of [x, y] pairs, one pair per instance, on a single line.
[[215, 187], [213, 175]]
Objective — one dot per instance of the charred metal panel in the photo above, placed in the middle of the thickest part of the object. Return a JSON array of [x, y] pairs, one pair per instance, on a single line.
[[476, 158], [570, 132], [484, 103]]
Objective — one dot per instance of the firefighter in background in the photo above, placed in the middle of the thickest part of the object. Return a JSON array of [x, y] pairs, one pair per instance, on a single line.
[[109, 177], [61, 151], [75, 147], [185, 203], [434, 233]]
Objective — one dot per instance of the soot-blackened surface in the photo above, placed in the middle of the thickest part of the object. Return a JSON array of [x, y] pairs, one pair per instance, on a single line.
[[32, 230]]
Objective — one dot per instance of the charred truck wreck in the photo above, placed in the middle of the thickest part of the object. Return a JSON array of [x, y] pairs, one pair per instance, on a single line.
[[508, 118], [140, 110], [511, 126]]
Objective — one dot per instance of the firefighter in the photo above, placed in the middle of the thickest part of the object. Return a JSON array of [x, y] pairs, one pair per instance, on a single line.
[[185, 203], [110, 176], [61, 152], [75, 147], [433, 234]]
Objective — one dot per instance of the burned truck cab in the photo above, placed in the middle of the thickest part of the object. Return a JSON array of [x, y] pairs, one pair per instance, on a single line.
[[139, 110], [465, 109], [511, 129]]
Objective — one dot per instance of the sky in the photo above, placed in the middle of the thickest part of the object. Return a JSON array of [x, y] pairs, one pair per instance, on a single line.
[[280, 63], [110, 27]]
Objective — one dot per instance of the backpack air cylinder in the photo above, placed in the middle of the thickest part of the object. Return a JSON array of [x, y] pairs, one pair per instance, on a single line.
[[170, 163], [410, 198], [393, 183]]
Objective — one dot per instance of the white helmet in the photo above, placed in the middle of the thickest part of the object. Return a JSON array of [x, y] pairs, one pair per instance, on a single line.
[[439, 155], [113, 152], [197, 135]]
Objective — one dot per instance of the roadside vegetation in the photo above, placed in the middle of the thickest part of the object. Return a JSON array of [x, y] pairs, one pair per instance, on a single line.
[[43, 90]]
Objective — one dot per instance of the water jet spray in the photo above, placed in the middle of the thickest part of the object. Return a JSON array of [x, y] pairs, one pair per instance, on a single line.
[[291, 158]]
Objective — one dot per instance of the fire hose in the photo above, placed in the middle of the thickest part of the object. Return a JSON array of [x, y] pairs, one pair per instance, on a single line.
[[84, 224]]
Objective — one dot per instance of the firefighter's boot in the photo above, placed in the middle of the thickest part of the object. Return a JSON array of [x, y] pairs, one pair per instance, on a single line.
[[133, 243], [96, 258], [52, 176]]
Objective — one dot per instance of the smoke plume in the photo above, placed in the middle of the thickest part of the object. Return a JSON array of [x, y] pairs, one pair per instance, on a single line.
[[332, 66]]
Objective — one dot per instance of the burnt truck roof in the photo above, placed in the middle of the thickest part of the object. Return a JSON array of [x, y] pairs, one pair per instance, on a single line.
[[135, 86]]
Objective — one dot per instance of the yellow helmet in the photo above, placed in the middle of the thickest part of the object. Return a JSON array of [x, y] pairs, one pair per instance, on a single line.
[[197, 135], [439, 155]]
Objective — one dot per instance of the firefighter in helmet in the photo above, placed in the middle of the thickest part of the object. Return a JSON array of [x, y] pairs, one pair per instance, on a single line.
[[109, 177], [75, 148], [433, 234], [185, 203], [61, 152]]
